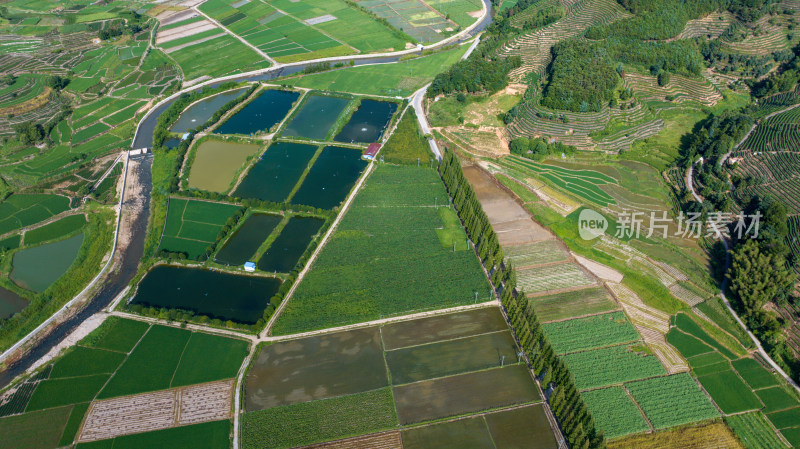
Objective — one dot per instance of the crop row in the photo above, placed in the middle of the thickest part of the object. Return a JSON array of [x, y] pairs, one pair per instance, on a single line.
[[590, 332]]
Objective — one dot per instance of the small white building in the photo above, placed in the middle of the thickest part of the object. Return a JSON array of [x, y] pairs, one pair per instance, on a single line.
[[250, 267]]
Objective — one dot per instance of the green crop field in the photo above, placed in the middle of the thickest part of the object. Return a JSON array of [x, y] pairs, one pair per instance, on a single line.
[[730, 392], [72, 390], [20, 210], [192, 226], [465, 433], [672, 400], [37, 430], [82, 361], [688, 345], [364, 271], [116, 334], [754, 431], [754, 373], [73, 424], [584, 184], [402, 79], [317, 421], [199, 60], [614, 412], [561, 306], [209, 435], [407, 145], [689, 326], [776, 399], [55, 230], [194, 367], [590, 332], [609, 366], [785, 418], [707, 359]]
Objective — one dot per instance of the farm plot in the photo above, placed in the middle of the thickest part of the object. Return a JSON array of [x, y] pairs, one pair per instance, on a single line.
[[443, 327], [672, 400], [754, 373], [730, 392], [192, 226], [22, 210], [216, 163], [571, 304], [209, 435], [754, 431], [272, 31], [615, 412], [715, 434], [614, 365], [591, 332], [199, 59], [55, 230], [548, 251], [362, 274], [415, 18], [778, 133], [776, 399], [37, 430], [553, 277], [159, 410]]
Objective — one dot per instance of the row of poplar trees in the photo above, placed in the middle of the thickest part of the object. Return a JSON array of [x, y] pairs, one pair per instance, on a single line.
[[570, 410]]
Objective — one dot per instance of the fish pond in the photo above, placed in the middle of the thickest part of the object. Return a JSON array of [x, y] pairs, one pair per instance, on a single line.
[[261, 114], [199, 113], [330, 178], [368, 122], [172, 143], [286, 250], [276, 173], [207, 292], [316, 117], [38, 267], [244, 243], [10, 303], [216, 163]]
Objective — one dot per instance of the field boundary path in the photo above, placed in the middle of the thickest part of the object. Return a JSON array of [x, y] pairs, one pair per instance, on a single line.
[[240, 38], [80, 296]]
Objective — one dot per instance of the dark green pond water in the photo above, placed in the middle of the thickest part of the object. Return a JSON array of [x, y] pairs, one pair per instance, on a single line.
[[199, 113], [206, 292], [330, 178], [37, 268], [274, 176], [286, 250], [172, 143], [368, 122], [10, 303], [260, 114], [247, 239], [316, 117]]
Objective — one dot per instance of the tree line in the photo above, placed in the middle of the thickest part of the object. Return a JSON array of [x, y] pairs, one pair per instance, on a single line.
[[573, 415]]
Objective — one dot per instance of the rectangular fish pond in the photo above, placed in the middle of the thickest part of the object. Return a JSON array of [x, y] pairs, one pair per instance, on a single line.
[[276, 173], [207, 292], [331, 177], [368, 122], [216, 163], [244, 243], [286, 250], [261, 114], [199, 113], [38, 267], [316, 117]]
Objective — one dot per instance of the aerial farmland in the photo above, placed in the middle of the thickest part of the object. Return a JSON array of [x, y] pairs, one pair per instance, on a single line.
[[399, 224]]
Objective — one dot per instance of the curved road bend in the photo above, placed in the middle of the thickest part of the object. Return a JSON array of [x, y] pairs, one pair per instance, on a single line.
[[135, 211]]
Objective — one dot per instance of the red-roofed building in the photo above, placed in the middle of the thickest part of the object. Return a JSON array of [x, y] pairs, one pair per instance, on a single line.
[[372, 150]]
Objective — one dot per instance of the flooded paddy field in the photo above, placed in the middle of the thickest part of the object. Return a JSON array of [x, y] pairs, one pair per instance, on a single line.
[[286, 250], [216, 163], [207, 292], [10, 303], [244, 243], [331, 177], [349, 385], [276, 173], [199, 113], [317, 116], [368, 123], [39, 267], [261, 114]]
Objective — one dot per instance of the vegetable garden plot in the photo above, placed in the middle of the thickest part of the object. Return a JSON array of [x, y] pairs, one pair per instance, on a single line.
[[276, 173], [609, 366], [22, 210], [451, 357], [582, 183], [464, 393], [548, 251], [413, 17], [590, 332], [614, 412], [552, 277], [754, 431], [192, 225], [315, 368], [573, 303], [672, 400]]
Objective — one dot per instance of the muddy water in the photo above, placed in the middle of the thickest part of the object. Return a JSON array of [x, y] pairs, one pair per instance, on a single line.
[[38, 267], [10, 303]]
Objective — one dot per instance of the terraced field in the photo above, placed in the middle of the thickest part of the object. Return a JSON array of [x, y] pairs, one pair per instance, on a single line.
[[710, 26], [777, 133], [679, 90], [773, 173]]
